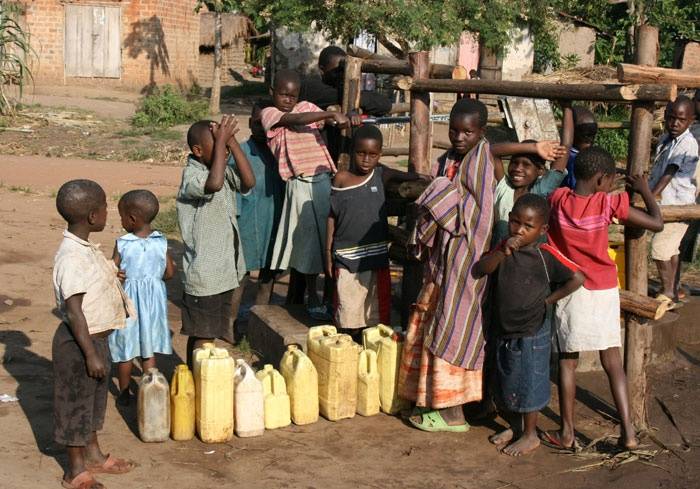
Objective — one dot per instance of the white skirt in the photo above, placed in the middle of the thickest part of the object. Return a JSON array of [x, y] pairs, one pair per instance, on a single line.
[[588, 320]]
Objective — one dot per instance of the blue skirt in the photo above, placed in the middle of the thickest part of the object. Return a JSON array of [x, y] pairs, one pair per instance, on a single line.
[[523, 371]]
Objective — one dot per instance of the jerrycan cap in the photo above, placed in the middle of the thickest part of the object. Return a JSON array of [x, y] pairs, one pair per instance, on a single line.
[[153, 370], [292, 347]]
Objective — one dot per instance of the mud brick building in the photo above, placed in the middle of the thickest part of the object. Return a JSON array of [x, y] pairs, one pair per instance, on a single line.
[[117, 43]]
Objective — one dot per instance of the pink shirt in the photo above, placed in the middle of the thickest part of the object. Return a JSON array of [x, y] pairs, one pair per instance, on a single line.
[[578, 227], [299, 150]]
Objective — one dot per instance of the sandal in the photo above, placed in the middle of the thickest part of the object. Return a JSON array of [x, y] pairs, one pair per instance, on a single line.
[[112, 465], [552, 440], [432, 421], [319, 313], [83, 480]]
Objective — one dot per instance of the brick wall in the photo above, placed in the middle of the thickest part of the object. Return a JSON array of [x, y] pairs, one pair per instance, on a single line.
[[159, 42]]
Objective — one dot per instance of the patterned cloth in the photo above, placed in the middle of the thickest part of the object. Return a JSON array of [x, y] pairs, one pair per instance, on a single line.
[[454, 230], [301, 150], [143, 260], [505, 199], [212, 261], [259, 211], [426, 379], [683, 153], [81, 268]]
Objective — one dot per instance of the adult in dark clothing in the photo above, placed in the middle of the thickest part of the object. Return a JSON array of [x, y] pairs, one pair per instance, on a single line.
[[327, 89]]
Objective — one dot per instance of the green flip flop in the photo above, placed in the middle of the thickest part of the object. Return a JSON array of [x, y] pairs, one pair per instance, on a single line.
[[432, 421]]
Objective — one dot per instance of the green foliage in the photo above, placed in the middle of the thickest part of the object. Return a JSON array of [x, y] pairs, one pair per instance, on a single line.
[[166, 221], [615, 141], [15, 52], [165, 107]]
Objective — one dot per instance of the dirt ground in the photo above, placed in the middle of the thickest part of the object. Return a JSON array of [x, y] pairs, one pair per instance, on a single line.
[[379, 451]]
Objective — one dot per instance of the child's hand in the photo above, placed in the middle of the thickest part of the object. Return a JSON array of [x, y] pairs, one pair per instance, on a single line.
[[95, 367], [511, 246], [638, 183], [339, 120], [355, 119], [121, 275], [225, 130], [550, 150]]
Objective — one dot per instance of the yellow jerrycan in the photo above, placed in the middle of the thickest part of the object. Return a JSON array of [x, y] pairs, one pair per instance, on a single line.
[[182, 404], [198, 355], [214, 405], [302, 384], [153, 408], [277, 413], [367, 384], [249, 399], [389, 345], [335, 357]]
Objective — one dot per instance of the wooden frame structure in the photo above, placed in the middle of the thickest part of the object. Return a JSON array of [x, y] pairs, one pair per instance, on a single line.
[[652, 85]]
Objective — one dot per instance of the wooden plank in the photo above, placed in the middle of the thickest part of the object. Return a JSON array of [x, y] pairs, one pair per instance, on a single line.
[[85, 40], [71, 46], [352, 86], [99, 34], [628, 73], [677, 213], [584, 91], [113, 51]]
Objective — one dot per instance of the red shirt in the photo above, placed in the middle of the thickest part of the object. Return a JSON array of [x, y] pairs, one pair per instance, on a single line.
[[578, 227]]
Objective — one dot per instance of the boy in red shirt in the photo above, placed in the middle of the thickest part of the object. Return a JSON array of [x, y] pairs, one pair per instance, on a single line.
[[589, 319]]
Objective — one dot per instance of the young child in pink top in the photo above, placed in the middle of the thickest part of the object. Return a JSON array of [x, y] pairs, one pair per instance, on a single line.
[[589, 319], [305, 164]]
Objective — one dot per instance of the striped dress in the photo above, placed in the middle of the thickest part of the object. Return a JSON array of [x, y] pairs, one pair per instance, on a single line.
[[444, 350]]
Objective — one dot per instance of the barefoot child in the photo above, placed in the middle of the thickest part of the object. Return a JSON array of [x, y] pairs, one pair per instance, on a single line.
[[589, 319], [673, 182], [441, 365], [142, 255], [92, 304], [357, 242], [206, 212], [525, 275], [305, 164]]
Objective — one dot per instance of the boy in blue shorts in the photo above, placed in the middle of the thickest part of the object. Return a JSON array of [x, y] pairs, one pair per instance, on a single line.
[[528, 277]]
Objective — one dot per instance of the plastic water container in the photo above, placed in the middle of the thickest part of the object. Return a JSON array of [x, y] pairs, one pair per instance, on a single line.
[[367, 384], [153, 409], [198, 355], [389, 345], [182, 404], [335, 357], [214, 403], [616, 252], [277, 409], [302, 385], [249, 402]]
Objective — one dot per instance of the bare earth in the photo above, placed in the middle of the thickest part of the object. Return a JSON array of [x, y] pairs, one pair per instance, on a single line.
[[380, 451]]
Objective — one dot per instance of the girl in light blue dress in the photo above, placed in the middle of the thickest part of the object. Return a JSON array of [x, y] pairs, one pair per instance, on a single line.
[[144, 262]]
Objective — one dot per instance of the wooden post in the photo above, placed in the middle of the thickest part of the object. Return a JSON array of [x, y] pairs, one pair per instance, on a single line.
[[351, 102], [638, 336]]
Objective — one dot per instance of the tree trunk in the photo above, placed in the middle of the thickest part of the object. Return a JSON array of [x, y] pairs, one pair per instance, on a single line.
[[215, 99], [642, 306], [627, 73]]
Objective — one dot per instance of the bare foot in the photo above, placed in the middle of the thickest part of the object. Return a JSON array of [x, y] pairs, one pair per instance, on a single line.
[[500, 439], [628, 441], [523, 446]]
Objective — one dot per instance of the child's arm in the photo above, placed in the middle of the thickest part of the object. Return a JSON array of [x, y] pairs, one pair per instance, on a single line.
[[547, 150], [304, 118], [498, 170], [567, 136], [242, 164], [117, 259], [170, 267], [330, 231], [569, 286], [221, 132], [78, 326], [651, 219], [491, 261], [665, 179]]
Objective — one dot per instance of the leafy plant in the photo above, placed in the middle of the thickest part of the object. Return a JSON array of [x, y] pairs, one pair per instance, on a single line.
[[15, 51], [165, 107]]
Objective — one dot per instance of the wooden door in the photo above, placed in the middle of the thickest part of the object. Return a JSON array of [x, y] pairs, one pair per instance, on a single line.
[[92, 41]]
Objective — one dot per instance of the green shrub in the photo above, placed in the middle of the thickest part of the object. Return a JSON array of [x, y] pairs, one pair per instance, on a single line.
[[615, 141], [166, 107]]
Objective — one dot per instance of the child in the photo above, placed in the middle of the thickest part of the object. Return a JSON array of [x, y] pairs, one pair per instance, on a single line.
[[589, 319], [305, 164], [206, 212], [92, 304], [441, 365], [357, 240], [259, 210], [524, 273], [584, 133], [143, 257], [673, 182]]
